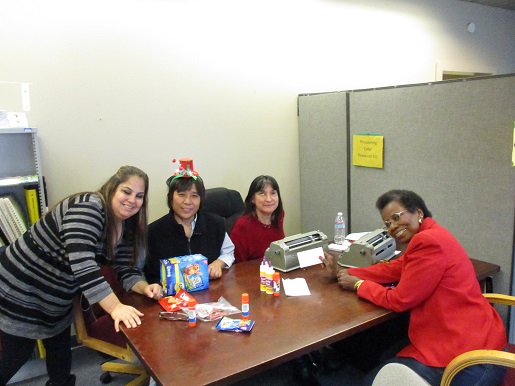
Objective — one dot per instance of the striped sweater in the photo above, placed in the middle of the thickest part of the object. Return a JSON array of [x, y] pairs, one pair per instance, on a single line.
[[57, 257]]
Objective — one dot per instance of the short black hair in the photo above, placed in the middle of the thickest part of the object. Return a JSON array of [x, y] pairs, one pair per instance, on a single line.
[[410, 200], [183, 184]]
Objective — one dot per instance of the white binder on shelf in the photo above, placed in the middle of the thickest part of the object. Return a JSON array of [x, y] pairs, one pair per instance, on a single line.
[[14, 215], [5, 224]]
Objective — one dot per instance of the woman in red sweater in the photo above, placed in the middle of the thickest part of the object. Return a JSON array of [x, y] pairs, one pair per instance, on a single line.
[[436, 282], [262, 221]]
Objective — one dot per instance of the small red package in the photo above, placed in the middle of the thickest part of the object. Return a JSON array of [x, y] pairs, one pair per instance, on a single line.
[[174, 303]]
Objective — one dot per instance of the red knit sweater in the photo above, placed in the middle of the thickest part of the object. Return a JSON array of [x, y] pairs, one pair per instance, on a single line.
[[251, 238]]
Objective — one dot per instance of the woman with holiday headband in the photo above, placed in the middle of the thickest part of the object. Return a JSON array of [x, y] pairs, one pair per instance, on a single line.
[[187, 229], [58, 257], [262, 221]]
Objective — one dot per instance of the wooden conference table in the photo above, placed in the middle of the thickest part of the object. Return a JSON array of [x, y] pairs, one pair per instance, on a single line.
[[285, 327]]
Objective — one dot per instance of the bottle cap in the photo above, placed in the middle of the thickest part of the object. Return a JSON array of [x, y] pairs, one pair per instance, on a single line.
[[245, 297], [276, 276], [191, 302]]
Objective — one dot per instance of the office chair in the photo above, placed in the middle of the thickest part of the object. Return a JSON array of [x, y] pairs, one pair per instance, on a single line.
[[398, 374], [226, 203], [95, 329]]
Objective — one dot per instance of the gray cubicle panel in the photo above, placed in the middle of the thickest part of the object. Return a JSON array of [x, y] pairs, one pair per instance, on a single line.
[[323, 162], [451, 142]]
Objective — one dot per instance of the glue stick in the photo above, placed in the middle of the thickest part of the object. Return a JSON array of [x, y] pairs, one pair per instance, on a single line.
[[270, 279], [192, 317], [245, 306], [277, 284]]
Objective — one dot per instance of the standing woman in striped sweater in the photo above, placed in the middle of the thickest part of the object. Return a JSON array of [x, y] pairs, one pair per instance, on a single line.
[[60, 256]]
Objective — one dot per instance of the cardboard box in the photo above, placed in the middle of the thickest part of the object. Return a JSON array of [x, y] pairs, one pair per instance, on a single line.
[[189, 272]]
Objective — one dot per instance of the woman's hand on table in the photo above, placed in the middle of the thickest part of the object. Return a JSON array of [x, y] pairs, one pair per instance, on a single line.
[[330, 264], [346, 280], [215, 269], [154, 291], [126, 314]]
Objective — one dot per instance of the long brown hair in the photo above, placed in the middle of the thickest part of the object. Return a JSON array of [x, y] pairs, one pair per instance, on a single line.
[[135, 228], [257, 185]]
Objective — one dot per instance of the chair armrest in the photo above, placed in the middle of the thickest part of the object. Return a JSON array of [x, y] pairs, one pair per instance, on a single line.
[[476, 357], [500, 299]]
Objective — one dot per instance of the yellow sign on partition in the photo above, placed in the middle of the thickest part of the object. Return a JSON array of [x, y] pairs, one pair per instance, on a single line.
[[367, 150]]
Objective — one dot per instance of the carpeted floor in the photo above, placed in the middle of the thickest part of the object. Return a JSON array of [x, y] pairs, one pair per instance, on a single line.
[[86, 366]]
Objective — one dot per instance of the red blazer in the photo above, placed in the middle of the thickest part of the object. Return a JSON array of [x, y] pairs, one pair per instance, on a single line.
[[438, 285]]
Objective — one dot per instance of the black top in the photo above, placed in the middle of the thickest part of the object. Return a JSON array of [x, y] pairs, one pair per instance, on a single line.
[[166, 238]]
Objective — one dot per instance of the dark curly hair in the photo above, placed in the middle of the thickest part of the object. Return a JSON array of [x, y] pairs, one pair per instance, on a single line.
[[410, 200]]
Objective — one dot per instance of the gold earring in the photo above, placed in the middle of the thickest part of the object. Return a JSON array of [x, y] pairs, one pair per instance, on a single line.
[[420, 220]]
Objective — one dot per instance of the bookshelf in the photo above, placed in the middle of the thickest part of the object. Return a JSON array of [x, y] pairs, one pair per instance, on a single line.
[[20, 169], [21, 176]]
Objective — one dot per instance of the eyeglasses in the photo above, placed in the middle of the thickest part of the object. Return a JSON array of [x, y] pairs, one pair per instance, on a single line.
[[395, 217]]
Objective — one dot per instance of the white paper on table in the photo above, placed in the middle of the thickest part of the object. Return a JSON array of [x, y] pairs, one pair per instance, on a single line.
[[296, 287], [310, 257]]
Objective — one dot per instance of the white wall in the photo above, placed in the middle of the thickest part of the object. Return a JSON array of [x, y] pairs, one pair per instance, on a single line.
[[140, 82]]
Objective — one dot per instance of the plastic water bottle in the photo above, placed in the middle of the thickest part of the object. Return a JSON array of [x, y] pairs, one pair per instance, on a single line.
[[339, 229]]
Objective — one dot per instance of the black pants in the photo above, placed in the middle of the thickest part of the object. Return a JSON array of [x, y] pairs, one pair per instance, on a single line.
[[17, 350]]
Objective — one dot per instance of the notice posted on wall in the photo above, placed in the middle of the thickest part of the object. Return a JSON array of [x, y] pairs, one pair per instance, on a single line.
[[367, 150]]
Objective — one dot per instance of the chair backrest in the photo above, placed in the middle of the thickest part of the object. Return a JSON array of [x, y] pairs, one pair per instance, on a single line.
[[399, 375], [509, 376], [95, 328], [226, 203], [504, 358]]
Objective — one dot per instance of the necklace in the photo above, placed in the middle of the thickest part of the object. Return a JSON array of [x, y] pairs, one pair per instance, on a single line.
[[265, 226]]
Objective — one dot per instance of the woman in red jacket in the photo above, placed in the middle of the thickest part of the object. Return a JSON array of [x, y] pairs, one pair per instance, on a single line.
[[436, 282]]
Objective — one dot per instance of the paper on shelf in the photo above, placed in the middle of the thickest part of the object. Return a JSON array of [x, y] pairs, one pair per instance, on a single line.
[[17, 120], [296, 287], [4, 122]]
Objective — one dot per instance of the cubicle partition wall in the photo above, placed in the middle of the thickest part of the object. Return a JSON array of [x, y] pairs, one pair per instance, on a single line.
[[323, 141], [451, 142]]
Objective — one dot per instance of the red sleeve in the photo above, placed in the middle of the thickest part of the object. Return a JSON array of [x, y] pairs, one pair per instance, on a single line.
[[381, 272], [238, 238], [422, 270]]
